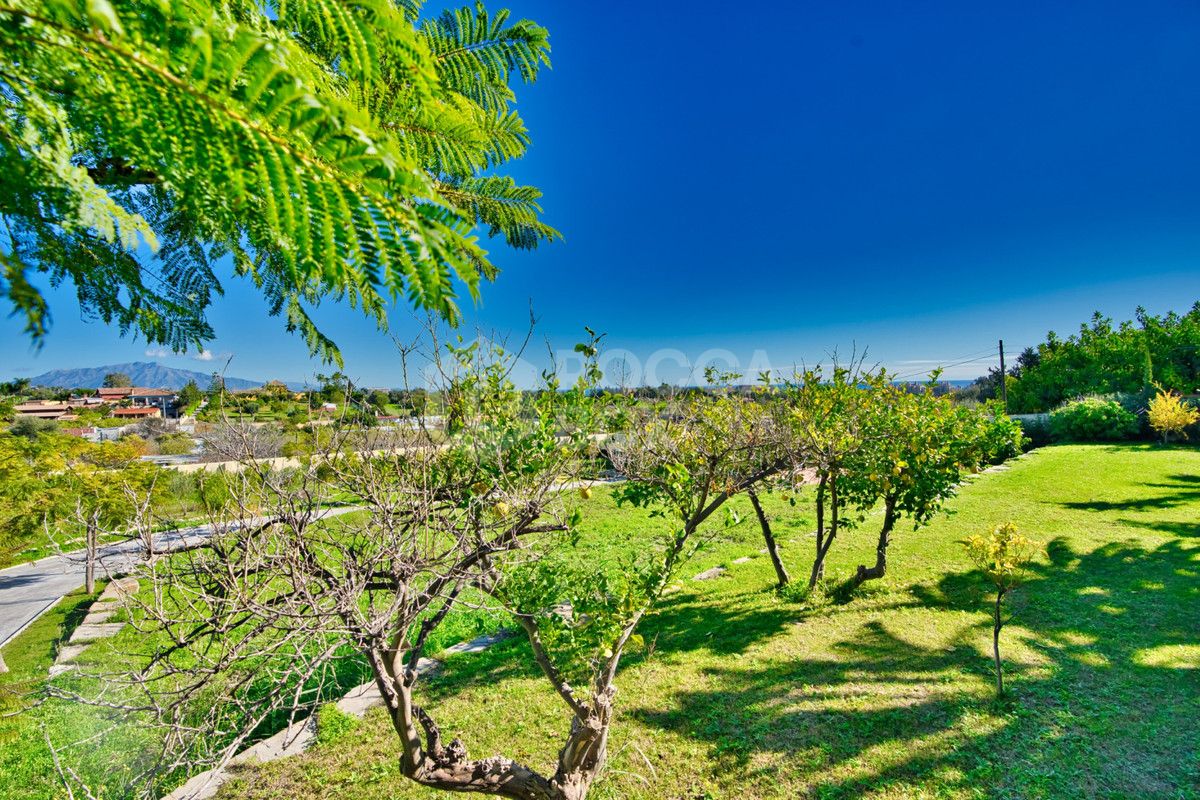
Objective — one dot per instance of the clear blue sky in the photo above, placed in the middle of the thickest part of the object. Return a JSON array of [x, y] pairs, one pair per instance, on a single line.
[[921, 178]]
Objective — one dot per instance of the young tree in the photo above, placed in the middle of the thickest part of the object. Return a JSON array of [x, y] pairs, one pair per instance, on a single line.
[[918, 447], [826, 427], [106, 490], [379, 399], [1170, 416], [1003, 557], [258, 622], [686, 457], [27, 498]]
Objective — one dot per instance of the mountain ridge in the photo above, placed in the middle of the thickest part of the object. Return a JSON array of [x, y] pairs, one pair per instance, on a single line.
[[141, 373]]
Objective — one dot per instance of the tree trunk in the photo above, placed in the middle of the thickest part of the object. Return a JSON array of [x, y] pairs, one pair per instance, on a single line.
[[3, 666], [819, 566], [996, 645], [89, 570], [448, 767], [772, 547], [885, 538], [824, 538], [583, 755]]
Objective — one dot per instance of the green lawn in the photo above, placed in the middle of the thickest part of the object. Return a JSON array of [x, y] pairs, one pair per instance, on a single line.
[[746, 695]]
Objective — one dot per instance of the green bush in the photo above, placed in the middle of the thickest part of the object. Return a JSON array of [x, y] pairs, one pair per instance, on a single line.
[[1092, 419], [176, 444], [1003, 438]]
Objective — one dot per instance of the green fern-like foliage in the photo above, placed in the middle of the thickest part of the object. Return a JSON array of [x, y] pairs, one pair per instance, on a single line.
[[332, 149]]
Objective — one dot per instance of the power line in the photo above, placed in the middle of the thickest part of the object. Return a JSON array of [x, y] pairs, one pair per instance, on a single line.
[[989, 355]]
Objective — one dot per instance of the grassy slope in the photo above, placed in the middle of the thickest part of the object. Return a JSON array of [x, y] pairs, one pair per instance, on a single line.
[[746, 695]]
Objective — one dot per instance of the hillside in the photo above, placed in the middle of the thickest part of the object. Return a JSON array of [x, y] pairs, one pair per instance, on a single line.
[[142, 373]]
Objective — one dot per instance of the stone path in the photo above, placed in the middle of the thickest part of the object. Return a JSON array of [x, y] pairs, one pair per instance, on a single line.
[[96, 624]]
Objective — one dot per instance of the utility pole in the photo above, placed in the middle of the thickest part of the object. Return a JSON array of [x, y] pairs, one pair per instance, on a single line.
[[1003, 378]]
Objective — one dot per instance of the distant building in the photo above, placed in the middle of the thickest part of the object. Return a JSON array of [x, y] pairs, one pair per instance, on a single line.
[[146, 412], [114, 394], [43, 409], [162, 399]]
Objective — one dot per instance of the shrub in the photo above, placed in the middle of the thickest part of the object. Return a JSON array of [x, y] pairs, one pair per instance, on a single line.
[[1092, 419], [175, 444], [1001, 438], [32, 427], [136, 444], [1169, 415]]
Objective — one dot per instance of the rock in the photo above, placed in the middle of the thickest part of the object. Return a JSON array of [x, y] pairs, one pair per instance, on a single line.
[[709, 574], [742, 560], [59, 669], [479, 643]]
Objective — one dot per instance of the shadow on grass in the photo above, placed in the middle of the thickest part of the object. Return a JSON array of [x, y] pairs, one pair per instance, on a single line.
[[1185, 490], [882, 710], [1186, 530]]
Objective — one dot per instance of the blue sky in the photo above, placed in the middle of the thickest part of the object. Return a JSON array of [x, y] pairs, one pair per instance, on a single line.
[[779, 180]]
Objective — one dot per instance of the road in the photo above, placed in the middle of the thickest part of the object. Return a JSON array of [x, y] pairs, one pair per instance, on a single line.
[[29, 590]]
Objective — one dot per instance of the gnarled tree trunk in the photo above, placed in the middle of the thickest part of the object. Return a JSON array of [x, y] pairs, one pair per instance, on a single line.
[[772, 547], [865, 573], [448, 766]]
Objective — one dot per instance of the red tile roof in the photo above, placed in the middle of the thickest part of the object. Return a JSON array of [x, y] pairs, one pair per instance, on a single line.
[[136, 411]]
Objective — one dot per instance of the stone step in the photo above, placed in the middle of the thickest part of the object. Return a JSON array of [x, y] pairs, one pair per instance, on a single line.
[[90, 633], [97, 617], [69, 652], [119, 588]]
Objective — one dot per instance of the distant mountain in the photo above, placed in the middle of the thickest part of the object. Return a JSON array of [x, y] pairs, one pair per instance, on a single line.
[[141, 373]]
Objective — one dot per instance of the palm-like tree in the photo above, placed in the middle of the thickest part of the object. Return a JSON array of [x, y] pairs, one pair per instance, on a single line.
[[329, 148]]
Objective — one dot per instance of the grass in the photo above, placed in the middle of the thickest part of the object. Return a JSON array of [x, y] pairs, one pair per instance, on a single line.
[[889, 695], [26, 765], [743, 693]]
